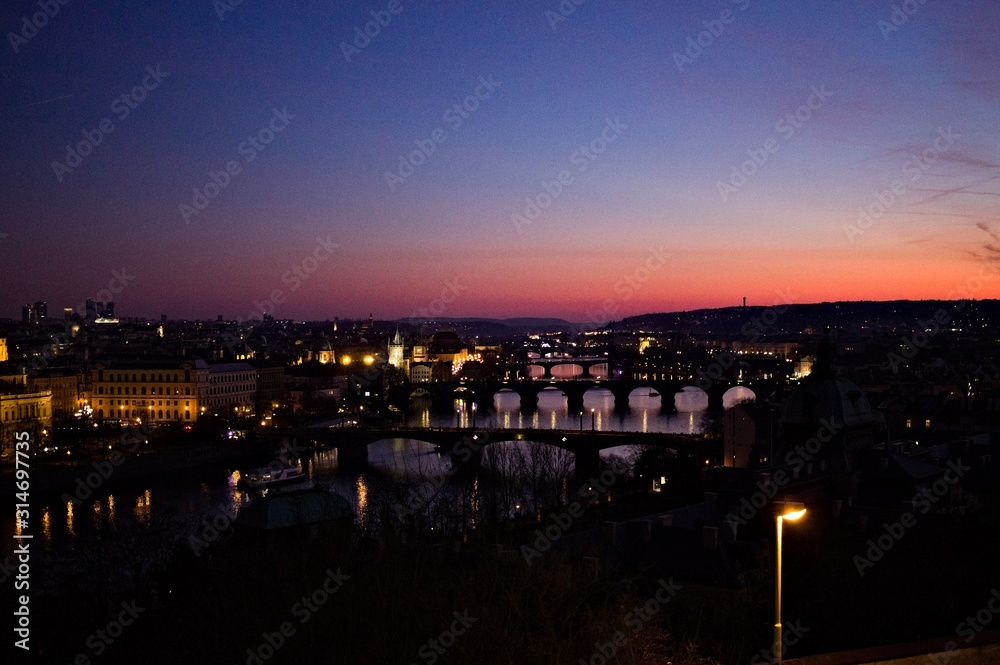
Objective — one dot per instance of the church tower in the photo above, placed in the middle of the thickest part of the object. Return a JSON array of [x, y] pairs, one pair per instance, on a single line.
[[396, 351]]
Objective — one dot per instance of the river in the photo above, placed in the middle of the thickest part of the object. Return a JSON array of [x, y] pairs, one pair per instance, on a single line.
[[193, 496]]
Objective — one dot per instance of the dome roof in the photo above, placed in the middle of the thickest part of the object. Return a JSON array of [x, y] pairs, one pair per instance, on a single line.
[[829, 397], [321, 344], [446, 341], [823, 394]]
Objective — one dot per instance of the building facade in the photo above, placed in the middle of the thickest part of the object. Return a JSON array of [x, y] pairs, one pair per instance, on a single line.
[[22, 409], [226, 387], [154, 391], [65, 386]]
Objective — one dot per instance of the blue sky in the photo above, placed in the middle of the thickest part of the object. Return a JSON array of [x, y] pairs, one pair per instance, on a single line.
[[907, 104]]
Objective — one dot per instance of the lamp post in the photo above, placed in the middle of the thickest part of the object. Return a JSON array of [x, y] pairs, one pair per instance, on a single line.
[[473, 415], [593, 421], [786, 511]]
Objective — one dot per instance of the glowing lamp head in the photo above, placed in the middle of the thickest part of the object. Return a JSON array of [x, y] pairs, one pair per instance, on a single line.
[[345, 360], [791, 511], [368, 360]]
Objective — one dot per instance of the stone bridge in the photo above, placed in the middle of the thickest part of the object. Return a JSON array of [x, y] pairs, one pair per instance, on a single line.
[[352, 442], [483, 392]]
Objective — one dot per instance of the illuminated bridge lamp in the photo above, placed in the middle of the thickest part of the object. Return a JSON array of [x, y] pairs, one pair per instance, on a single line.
[[790, 511]]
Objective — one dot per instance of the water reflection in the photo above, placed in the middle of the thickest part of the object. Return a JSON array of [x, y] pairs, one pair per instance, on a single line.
[[143, 507], [47, 525], [645, 413], [361, 489], [391, 461]]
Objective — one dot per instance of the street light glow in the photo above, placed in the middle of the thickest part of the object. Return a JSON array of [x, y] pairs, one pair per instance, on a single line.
[[793, 515]]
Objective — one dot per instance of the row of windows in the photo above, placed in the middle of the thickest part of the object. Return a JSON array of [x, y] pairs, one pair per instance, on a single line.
[[137, 413], [142, 390], [169, 378], [23, 411], [125, 402], [223, 378], [220, 390]]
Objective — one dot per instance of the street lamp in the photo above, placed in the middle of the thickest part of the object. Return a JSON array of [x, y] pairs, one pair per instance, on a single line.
[[593, 421], [790, 511]]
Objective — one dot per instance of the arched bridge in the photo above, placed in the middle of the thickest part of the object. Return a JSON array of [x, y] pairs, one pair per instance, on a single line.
[[352, 443], [483, 392], [584, 363]]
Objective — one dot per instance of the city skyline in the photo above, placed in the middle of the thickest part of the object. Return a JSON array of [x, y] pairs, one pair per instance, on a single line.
[[578, 161]]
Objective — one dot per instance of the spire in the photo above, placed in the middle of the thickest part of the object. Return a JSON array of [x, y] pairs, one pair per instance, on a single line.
[[397, 340], [824, 356]]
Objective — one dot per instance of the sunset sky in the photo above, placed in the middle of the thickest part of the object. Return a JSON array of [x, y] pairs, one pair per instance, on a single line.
[[847, 107]]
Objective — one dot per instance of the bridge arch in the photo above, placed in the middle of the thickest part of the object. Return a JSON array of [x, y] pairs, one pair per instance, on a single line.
[[737, 394], [691, 398]]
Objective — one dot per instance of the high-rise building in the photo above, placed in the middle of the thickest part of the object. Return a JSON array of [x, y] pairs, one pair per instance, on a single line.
[[41, 310], [28, 315]]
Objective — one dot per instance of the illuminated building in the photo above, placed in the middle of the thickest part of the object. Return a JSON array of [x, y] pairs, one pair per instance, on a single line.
[[22, 409], [3, 350], [65, 388], [226, 386], [397, 352], [155, 391]]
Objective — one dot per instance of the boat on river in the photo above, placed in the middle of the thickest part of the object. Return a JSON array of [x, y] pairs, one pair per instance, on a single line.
[[270, 476]]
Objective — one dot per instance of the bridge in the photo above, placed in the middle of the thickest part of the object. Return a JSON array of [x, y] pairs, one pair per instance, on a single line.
[[584, 363], [482, 392], [352, 442]]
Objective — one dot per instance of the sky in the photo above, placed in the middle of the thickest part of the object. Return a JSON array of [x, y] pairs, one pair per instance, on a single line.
[[588, 159]]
